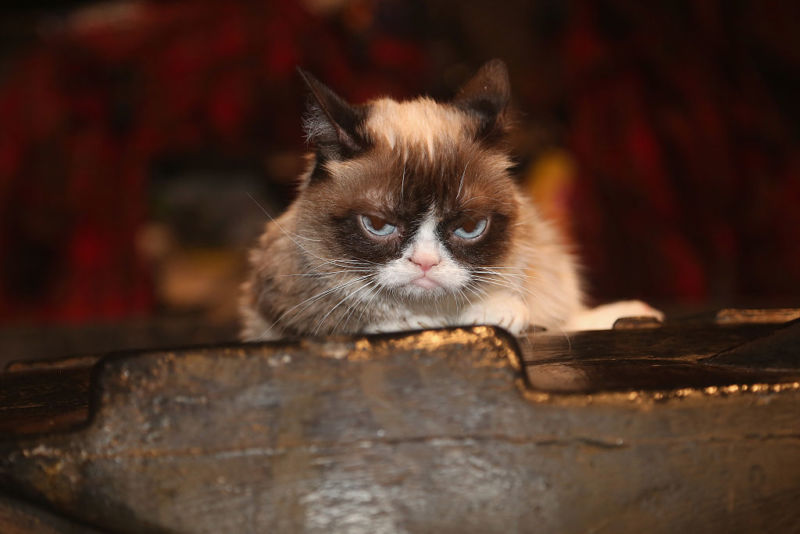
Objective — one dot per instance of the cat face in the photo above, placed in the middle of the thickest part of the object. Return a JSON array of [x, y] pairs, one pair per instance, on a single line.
[[417, 194], [423, 227]]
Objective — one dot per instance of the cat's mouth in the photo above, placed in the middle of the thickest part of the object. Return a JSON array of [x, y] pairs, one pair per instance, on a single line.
[[426, 283]]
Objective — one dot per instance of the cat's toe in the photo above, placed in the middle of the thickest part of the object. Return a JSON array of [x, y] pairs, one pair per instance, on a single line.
[[637, 308], [508, 314], [603, 317]]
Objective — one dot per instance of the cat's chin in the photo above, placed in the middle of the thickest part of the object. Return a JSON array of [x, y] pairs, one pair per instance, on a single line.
[[430, 290], [426, 283]]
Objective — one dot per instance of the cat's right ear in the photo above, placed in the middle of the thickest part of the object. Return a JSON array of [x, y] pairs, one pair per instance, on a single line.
[[486, 96], [330, 123]]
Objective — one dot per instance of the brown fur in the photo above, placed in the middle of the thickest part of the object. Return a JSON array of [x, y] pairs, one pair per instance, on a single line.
[[428, 169]]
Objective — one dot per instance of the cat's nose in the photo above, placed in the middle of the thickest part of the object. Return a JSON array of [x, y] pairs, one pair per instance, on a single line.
[[425, 261]]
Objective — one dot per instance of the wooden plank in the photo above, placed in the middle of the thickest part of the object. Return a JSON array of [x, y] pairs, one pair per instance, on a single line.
[[664, 359], [756, 315], [779, 350], [689, 342], [428, 431], [48, 399]]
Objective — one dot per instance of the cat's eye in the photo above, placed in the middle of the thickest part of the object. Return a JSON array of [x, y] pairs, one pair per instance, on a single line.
[[471, 229], [377, 225]]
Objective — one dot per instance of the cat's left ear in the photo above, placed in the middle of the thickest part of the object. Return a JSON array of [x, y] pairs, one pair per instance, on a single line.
[[486, 96], [331, 124]]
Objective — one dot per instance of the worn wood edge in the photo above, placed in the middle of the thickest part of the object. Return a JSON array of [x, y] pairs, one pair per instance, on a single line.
[[349, 348], [359, 348], [37, 401], [69, 362], [352, 348], [665, 332], [651, 397], [756, 315], [781, 318]]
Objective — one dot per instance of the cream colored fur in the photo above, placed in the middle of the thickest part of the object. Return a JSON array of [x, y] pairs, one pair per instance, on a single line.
[[416, 124], [538, 284]]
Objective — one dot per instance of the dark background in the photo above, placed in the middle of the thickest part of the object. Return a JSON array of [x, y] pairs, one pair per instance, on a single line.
[[662, 136]]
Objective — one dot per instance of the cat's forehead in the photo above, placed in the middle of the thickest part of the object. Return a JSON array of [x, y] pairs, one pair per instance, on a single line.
[[464, 176], [422, 126]]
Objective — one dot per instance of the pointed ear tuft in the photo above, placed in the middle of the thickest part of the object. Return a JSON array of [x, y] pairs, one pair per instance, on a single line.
[[330, 123], [486, 96]]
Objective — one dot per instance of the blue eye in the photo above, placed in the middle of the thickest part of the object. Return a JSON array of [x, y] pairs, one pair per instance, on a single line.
[[377, 226], [471, 229]]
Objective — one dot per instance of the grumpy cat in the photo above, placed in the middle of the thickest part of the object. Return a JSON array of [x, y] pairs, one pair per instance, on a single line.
[[408, 217]]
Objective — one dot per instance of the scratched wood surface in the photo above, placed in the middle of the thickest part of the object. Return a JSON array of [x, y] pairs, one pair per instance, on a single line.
[[433, 431]]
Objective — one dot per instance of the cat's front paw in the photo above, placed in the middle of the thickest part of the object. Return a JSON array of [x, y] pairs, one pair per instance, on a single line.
[[410, 322], [501, 309], [603, 317]]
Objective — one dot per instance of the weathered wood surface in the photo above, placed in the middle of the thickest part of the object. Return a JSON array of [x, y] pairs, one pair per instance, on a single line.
[[19, 517], [664, 359], [36, 397], [44, 399], [434, 431]]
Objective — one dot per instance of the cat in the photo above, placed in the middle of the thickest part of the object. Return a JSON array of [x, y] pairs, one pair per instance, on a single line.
[[408, 217]]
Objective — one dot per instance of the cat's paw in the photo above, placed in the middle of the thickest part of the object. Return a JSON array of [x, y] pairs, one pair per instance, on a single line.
[[410, 322], [501, 309], [603, 317], [397, 325]]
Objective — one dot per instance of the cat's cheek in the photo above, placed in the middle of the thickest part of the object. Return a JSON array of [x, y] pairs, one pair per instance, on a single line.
[[501, 309]]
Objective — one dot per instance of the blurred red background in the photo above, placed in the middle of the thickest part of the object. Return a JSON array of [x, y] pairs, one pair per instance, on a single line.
[[662, 135]]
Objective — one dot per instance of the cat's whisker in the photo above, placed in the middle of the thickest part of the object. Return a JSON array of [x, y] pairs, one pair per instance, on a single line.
[[354, 262], [477, 290], [311, 300], [370, 286], [520, 290], [341, 301], [509, 277], [290, 235], [327, 273], [565, 335], [403, 181], [461, 181], [375, 291], [346, 267], [513, 287], [463, 293], [510, 267], [493, 199]]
